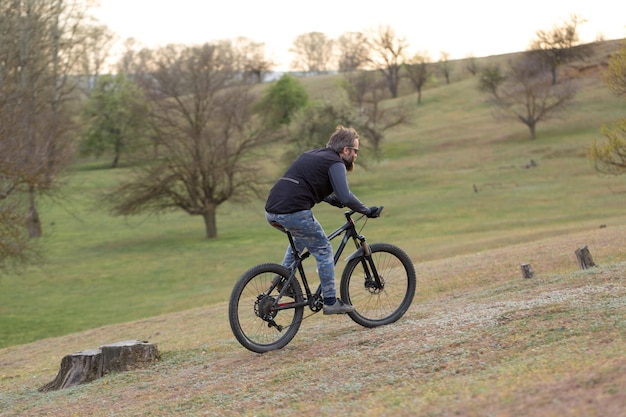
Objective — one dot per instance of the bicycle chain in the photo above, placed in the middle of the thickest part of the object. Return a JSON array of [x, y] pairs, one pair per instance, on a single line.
[[314, 310]]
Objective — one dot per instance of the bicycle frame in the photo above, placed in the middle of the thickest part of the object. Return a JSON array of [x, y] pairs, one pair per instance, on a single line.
[[314, 300], [379, 281]]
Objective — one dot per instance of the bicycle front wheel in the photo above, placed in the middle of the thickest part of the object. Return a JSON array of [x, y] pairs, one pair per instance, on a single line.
[[254, 320], [382, 301]]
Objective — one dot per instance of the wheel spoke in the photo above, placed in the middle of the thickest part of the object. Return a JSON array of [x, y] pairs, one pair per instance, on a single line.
[[254, 321], [384, 303]]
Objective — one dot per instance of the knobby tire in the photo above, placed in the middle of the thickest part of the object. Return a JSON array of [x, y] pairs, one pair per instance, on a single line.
[[379, 306], [249, 295]]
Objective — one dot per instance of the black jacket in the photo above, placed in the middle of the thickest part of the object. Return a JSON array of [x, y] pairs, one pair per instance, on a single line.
[[308, 181]]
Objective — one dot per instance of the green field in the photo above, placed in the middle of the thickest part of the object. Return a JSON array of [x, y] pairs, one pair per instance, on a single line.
[[99, 269]]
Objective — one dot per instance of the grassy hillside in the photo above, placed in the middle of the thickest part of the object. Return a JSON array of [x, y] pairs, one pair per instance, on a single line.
[[98, 269], [479, 340]]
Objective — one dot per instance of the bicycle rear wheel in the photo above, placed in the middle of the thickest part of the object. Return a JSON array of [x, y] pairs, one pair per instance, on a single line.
[[377, 305], [256, 324]]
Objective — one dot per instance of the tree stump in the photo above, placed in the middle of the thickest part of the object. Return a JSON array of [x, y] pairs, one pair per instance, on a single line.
[[77, 368], [584, 258], [88, 365], [527, 271], [126, 355]]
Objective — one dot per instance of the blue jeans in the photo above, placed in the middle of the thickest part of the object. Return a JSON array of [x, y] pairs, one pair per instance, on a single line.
[[308, 233]]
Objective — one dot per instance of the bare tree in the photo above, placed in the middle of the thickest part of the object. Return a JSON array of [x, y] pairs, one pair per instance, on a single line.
[[387, 55], [254, 62], [94, 51], [367, 91], [471, 65], [206, 135], [491, 78], [417, 70], [130, 60], [445, 66], [352, 50], [13, 235], [39, 41], [559, 46], [15, 246], [528, 95], [313, 52]]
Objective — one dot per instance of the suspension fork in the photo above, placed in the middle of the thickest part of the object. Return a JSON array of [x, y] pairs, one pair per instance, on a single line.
[[372, 278]]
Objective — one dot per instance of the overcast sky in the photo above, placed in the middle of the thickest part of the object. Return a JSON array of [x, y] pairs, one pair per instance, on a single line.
[[460, 28]]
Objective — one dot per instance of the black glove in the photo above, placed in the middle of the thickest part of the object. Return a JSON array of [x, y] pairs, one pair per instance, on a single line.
[[334, 201], [375, 212]]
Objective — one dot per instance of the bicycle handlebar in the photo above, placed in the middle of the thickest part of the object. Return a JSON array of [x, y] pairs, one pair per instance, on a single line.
[[351, 212]]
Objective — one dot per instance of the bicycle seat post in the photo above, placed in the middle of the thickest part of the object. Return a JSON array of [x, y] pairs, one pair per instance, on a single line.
[[292, 243]]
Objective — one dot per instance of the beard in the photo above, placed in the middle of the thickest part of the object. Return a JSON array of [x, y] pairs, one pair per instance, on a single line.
[[349, 163]]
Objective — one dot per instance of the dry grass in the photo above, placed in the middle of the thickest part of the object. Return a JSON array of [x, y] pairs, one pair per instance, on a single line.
[[479, 340]]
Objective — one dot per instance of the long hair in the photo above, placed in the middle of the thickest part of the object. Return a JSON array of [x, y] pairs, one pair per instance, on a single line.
[[341, 138]]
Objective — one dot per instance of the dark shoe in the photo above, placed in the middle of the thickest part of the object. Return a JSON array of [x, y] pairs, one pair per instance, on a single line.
[[338, 308], [279, 287]]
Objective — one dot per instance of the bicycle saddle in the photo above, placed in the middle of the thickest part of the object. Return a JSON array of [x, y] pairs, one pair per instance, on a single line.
[[278, 226]]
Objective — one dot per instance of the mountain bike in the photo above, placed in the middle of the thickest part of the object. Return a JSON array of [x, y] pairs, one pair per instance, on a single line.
[[268, 301]]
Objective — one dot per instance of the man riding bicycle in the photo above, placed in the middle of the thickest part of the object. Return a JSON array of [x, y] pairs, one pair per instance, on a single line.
[[317, 175]]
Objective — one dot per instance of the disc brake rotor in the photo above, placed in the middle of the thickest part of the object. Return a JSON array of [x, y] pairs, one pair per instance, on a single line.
[[370, 285]]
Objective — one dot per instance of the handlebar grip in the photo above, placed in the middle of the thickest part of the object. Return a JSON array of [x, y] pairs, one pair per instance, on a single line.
[[379, 211]]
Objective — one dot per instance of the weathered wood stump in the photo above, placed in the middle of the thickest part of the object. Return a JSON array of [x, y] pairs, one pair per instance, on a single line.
[[77, 368], [88, 365], [130, 354], [527, 271], [584, 258]]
